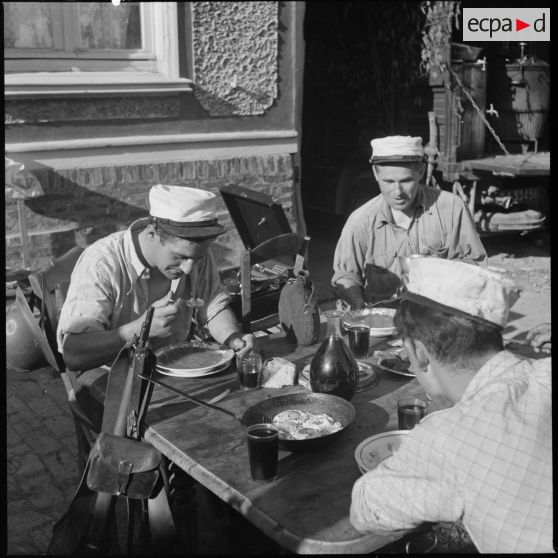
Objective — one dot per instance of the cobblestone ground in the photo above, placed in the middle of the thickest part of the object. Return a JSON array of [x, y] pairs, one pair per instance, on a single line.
[[42, 466], [41, 458]]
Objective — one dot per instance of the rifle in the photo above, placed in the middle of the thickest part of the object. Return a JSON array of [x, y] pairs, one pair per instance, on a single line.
[[84, 528]]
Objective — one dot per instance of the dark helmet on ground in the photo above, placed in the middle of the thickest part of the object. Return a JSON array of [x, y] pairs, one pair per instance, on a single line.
[[26, 344]]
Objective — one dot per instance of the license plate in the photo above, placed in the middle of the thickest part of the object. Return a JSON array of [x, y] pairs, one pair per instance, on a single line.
[[523, 194]]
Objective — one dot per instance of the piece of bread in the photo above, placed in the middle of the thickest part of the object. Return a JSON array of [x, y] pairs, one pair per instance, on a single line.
[[278, 372]]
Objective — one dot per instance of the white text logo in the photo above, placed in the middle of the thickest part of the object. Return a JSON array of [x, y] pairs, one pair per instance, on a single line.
[[506, 24]]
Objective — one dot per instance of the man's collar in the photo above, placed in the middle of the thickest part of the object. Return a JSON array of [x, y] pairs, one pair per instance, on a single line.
[[136, 268], [501, 360]]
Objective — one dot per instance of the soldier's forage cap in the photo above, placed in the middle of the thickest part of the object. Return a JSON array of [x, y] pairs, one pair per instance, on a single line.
[[185, 212], [397, 148], [461, 288]]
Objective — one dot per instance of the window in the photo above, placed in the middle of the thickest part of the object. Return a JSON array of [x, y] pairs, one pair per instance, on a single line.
[[56, 47]]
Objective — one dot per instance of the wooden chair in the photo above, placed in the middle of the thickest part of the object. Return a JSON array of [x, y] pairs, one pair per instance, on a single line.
[[50, 286], [275, 254]]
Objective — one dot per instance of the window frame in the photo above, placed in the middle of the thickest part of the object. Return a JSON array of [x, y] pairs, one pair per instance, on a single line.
[[152, 69]]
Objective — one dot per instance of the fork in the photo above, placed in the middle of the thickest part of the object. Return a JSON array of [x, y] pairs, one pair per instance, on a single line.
[[191, 398], [395, 299], [181, 400]]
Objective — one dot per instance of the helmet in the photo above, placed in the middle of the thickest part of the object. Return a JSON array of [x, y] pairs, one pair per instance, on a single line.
[[26, 344]]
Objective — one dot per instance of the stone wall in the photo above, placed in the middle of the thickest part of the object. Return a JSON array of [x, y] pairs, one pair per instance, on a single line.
[[81, 205]]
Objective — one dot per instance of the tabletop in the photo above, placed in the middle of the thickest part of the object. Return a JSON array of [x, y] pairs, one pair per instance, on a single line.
[[306, 509], [535, 164]]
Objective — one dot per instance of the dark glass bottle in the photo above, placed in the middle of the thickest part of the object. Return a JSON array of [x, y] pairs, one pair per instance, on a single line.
[[333, 369]]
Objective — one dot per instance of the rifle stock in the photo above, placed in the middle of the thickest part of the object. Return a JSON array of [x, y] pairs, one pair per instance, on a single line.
[[96, 539], [83, 529]]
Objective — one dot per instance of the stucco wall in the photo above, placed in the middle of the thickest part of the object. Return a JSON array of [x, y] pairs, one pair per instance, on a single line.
[[235, 46]]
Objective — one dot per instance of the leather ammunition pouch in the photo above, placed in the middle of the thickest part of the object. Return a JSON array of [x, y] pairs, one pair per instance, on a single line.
[[124, 466]]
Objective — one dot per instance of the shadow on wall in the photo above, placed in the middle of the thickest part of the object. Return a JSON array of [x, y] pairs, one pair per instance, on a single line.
[[81, 206], [70, 214]]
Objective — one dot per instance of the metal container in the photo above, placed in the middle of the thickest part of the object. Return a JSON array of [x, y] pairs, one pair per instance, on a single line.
[[337, 407], [370, 317]]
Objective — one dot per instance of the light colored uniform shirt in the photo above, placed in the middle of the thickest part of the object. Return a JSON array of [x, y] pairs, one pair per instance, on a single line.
[[486, 461], [367, 250], [109, 288]]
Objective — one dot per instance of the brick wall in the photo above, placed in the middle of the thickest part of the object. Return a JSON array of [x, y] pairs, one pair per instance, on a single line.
[[81, 205]]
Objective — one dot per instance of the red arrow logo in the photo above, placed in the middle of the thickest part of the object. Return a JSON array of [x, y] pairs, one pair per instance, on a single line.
[[519, 25]]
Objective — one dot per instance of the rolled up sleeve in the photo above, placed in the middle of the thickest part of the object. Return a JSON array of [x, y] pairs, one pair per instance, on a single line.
[[211, 290], [464, 242], [411, 487], [349, 257], [89, 302]]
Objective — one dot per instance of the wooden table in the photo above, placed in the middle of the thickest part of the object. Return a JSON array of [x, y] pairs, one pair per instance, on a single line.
[[525, 164], [306, 510]]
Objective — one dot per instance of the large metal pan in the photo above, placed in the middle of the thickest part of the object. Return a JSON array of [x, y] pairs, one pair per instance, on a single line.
[[338, 408]]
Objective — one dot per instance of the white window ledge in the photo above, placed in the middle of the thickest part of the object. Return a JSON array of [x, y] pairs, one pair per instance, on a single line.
[[44, 84]]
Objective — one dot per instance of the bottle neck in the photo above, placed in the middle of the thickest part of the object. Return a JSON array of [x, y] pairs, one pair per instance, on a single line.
[[333, 326]]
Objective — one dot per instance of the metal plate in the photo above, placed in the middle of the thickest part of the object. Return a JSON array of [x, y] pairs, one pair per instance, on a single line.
[[193, 357], [522, 194], [337, 407], [189, 374], [372, 317], [367, 376], [372, 451]]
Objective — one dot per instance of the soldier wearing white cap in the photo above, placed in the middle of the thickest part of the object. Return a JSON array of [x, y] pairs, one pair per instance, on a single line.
[[119, 276], [484, 456], [406, 218]]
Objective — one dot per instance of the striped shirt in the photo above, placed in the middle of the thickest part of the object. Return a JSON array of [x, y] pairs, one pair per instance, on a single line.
[[109, 288], [367, 250], [486, 461]]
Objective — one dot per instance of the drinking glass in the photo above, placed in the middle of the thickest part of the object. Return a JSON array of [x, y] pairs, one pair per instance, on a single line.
[[263, 451], [409, 412], [359, 340], [249, 368]]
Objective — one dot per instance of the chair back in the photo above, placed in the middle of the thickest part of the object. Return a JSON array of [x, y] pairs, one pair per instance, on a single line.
[[50, 286], [281, 251]]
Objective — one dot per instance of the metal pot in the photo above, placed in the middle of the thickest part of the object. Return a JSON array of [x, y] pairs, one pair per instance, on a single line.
[[337, 407]]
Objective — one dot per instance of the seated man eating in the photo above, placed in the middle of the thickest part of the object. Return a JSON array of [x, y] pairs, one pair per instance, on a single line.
[[485, 458], [119, 276], [406, 218]]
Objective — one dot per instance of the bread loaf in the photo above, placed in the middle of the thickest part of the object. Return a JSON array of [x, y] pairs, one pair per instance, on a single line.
[[278, 372]]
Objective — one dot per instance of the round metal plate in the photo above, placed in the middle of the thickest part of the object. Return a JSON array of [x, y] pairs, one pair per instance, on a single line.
[[372, 451], [337, 407], [372, 317], [193, 357]]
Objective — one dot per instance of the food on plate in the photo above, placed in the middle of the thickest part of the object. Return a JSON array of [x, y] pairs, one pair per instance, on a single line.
[[291, 415], [375, 318], [278, 372], [318, 421], [190, 356], [294, 424], [395, 363]]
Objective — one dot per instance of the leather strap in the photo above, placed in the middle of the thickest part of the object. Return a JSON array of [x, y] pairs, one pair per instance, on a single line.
[[161, 520], [123, 476], [115, 387]]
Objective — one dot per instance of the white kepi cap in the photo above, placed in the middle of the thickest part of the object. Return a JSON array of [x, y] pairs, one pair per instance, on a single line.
[[461, 288], [397, 148], [185, 212]]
